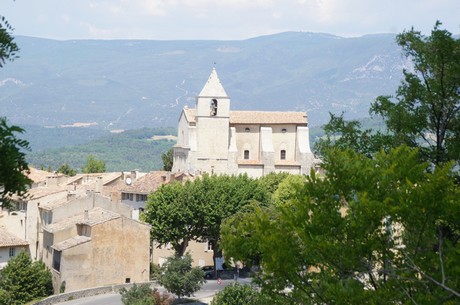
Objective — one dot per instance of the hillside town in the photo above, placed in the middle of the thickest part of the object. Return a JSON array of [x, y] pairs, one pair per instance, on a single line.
[[245, 209], [83, 226]]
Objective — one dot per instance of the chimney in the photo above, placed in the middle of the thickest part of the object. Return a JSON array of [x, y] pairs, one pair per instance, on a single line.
[[86, 216], [134, 175], [99, 184]]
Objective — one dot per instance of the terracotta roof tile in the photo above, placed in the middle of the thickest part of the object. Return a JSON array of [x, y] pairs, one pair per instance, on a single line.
[[71, 242], [148, 183], [259, 117], [95, 216], [7, 239], [38, 175]]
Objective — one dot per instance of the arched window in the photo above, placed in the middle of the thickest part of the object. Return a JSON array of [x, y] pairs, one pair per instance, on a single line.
[[246, 155], [283, 154]]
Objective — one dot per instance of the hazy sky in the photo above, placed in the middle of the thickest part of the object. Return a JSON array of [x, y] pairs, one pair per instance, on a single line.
[[222, 19]]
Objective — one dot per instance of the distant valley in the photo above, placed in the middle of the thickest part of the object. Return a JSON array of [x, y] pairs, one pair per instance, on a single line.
[[127, 84], [70, 95]]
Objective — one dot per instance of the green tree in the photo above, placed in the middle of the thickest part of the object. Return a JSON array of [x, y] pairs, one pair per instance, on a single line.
[[13, 165], [67, 170], [23, 280], [425, 112], [343, 134], [380, 230], [179, 278], [173, 215], [8, 48], [168, 158], [137, 295], [195, 210], [93, 165], [237, 294]]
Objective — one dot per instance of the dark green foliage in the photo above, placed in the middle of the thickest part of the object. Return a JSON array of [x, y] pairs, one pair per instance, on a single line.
[[237, 294], [144, 295], [168, 158], [66, 170], [380, 230], [344, 134], [23, 280], [8, 48], [426, 110], [137, 295], [195, 210], [132, 149], [13, 165], [179, 278], [93, 165]]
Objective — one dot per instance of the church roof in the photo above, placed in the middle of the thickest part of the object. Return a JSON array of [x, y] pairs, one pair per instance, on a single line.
[[213, 87], [258, 117], [268, 117]]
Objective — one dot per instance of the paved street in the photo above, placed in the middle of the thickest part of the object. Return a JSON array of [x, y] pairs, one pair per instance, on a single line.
[[209, 289]]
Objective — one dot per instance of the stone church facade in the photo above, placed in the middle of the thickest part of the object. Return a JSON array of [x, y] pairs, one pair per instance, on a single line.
[[214, 139]]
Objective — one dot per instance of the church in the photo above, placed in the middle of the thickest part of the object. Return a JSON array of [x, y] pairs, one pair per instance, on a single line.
[[216, 140]]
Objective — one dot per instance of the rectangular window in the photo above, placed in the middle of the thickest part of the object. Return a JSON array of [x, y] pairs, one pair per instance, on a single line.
[[57, 260], [246, 155], [209, 245], [283, 155], [12, 252]]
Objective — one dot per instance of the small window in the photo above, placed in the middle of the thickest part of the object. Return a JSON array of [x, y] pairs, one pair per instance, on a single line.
[[283, 155], [283, 130], [128, 280], [209, 246], [247, 129], [246, 155], [12, 252], [57, 260], [213, 107]]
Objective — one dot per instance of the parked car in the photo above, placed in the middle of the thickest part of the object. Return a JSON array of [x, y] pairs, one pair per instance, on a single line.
[[208, 271]]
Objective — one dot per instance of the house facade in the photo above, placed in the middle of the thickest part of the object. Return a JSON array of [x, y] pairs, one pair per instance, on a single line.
[[96, 248], [214, 139]]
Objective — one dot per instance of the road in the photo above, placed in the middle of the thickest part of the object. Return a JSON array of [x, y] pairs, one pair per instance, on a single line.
[[210, 288]]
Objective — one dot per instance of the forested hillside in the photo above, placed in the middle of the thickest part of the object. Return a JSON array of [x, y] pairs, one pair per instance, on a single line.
[[133, 149]]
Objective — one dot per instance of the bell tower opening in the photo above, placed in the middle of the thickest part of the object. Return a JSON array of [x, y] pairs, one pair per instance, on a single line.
[[213, 107]]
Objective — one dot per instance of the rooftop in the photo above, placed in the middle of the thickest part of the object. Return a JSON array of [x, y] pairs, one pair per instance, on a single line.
[[258, 117], [95, 216], [7, 239], [213, 87], [71, 242], [148, 183]]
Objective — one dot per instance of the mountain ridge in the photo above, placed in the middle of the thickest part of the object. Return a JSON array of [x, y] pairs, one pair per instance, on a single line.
[[126, 84]]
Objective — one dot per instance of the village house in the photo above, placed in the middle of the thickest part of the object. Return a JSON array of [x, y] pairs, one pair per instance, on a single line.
[[214, 139], [10, 246], [96, 248]]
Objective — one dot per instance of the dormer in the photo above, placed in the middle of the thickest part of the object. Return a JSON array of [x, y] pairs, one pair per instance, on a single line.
[[213, 100]]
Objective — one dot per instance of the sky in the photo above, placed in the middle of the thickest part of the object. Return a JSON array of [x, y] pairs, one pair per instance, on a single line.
[[223, 19]]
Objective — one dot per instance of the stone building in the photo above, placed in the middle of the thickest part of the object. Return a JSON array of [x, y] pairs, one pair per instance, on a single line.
[[214, 139], [96, 248]]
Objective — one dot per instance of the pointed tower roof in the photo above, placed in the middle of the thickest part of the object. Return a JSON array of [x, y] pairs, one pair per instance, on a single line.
[[213, 87]]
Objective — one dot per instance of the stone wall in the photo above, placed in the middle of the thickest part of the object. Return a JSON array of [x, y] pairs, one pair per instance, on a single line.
[[63, 297]]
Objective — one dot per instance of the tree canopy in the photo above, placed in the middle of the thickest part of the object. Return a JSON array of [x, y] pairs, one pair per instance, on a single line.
[[93, 165], [23, 280], [425, 111], [8, 48], [179, 277], [195, 210], [66, 170], [13, 165], [380, 230], [168, 158]]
